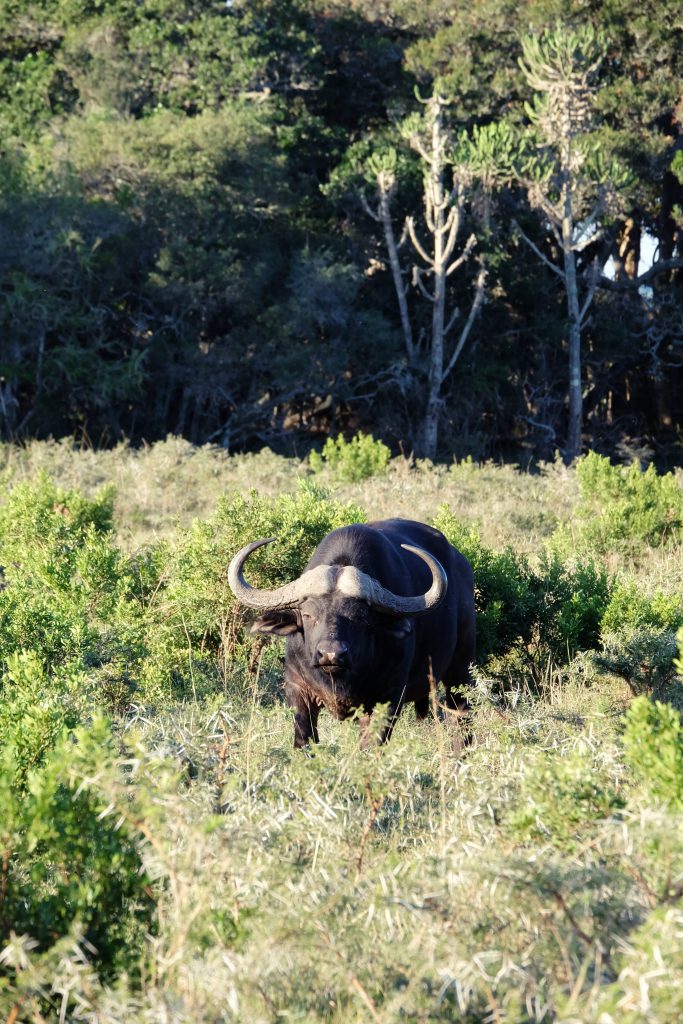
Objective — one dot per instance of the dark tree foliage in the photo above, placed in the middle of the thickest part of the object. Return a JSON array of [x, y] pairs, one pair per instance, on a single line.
[[183, 249]]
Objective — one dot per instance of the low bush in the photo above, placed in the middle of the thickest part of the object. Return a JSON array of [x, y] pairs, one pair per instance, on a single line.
[[653, 747], [642, 656], [622, 508], [630, 607], [70, 866], [36, 708], [638, 634], [354, 460], [548, 612], [563, 799], [68, 592]]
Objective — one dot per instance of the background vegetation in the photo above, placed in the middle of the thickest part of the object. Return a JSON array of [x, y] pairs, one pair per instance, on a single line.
[[264, 263], [184, 249], [166, 854]]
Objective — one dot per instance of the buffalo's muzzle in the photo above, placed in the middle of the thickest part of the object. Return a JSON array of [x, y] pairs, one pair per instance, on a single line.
[[333, 654]]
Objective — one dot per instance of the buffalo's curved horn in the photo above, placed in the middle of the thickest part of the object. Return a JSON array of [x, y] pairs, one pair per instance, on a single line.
[[314, 583], [325, 579], [396, 604], [245, 594]]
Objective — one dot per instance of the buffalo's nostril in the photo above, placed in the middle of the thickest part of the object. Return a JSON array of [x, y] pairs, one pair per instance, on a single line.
[[335, 652]]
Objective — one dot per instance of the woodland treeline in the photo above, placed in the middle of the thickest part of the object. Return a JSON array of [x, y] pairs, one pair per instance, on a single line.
[[231, 222]]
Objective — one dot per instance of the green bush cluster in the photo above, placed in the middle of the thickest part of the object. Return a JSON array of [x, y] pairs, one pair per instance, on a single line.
[[68, 592], [196, 630], [638, 633], [549, 611], [653, 746], [622, 508], [563, 798], [69, 867], [354, 460]]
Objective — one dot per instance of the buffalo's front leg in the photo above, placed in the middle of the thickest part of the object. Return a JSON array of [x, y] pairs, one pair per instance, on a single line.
[[364, 725], [305, 714]]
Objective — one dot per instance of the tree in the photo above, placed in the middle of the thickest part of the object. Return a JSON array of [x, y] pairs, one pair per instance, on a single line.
[[571, 181], [444, 209]]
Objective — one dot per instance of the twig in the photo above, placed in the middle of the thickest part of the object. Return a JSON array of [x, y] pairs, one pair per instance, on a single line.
[[562, 904], [376, 804], [356, 983]]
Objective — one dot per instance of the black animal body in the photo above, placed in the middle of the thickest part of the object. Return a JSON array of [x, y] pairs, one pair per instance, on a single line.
[[380, 611]]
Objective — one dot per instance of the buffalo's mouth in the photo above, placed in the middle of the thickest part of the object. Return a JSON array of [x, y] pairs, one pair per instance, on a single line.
[[334, 670]]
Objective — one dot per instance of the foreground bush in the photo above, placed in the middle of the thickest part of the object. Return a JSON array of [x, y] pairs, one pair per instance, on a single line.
[[653, 742], [69, 594], [70, 867]]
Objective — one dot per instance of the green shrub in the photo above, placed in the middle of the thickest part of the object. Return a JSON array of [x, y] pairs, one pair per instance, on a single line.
[[622, 508], [503, 588], [36, 707], [549, 612], [629, 606], [72, 867], [639, 637], [570, 601], [653, 747], [353, 460], [196, 631], [69, 593], [641, 655]]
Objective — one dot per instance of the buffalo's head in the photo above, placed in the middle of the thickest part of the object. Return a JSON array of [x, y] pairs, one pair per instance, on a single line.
[[347, 621]]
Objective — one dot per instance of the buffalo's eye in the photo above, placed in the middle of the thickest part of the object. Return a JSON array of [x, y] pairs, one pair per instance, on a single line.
[[308, 617]]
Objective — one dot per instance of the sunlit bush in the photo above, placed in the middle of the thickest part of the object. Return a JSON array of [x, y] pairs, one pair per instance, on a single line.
[[622, 508], [653, 745], [549, 611], [353, 460]]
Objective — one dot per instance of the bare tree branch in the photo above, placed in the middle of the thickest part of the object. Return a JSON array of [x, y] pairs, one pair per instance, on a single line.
[[464, 255], [368, 209], [660, 267], [541, 255], [464, 334], [417, 281], [410, 223]]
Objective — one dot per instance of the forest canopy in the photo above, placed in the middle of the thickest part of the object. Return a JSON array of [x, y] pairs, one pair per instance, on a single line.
[[230, 221]]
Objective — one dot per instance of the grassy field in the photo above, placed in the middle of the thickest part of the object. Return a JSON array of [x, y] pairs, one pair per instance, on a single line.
[[166, 854]]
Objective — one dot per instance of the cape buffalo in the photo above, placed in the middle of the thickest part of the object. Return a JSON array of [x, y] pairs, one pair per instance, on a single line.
[[380, 610]]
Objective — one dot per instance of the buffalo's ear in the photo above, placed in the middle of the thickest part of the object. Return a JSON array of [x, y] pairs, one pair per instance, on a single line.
[[399, 629], [281, 622]]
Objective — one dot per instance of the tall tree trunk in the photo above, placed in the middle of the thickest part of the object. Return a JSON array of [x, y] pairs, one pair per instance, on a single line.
[[575, 423], [575, 417], [442, 216], [627, 257], [435, 206], [384, 212]]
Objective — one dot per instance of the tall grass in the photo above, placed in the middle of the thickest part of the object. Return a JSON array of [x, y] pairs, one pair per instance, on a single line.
[[533, 875]]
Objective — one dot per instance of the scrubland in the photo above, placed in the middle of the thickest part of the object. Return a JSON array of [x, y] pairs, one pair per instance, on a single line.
[[165, 853]]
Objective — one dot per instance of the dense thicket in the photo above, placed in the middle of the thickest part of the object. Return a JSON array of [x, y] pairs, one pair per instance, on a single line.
[[183, 249]]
